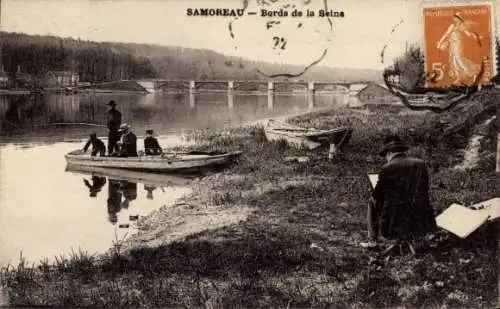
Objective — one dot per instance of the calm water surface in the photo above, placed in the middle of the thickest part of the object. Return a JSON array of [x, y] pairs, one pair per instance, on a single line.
[[46, 211]]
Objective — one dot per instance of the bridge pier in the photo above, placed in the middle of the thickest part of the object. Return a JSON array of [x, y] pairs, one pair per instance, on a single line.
[[230, 94], [270, 95], [192, 94], [310, 95]]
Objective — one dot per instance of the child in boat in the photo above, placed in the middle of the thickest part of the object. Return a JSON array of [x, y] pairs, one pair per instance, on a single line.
[[98, 146], [151, 145]]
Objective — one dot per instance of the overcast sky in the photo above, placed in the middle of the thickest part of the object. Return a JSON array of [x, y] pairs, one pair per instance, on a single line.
[[356, 41]]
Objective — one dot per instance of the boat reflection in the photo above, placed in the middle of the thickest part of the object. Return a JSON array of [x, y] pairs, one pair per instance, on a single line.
[[122, 188]]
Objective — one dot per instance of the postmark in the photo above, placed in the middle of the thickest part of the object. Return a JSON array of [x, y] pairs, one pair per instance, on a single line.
[[458, 38], [285, 30]]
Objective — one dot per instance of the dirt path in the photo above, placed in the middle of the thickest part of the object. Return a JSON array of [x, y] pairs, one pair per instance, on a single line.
[[471, 153]]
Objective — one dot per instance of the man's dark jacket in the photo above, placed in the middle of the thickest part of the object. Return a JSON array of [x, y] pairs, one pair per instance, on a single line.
[[402, 199], [114, 119], [97, 146], [129, 147], [151, 146]]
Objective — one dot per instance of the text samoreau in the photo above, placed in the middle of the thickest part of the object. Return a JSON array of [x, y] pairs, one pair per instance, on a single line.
[[214, 12]]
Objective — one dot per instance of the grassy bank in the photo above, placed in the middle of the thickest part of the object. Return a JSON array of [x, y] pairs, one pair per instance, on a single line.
[[299, 248]]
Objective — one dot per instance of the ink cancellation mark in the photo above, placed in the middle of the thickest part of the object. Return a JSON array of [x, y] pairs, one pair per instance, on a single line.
[[284, 28]]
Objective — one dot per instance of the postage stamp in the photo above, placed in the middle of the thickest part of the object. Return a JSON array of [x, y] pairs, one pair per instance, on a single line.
[[458, 39]]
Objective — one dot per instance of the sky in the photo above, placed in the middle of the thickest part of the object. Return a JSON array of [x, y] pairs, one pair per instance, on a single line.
[[356, 41]]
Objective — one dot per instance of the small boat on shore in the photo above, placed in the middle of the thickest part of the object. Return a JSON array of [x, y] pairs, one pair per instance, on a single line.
[[310, 138], [151, 179], [167, 162]]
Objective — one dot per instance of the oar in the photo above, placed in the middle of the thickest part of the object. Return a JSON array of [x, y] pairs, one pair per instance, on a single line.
[[71, 123]]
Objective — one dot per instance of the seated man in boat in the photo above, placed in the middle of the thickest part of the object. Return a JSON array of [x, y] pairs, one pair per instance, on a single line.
[[98, 146], [151, 145], [128, 143], [399, 208]]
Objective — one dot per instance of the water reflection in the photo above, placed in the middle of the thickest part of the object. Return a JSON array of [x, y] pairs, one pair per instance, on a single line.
[[163, 113], [47, 210], [114, 200], [122, 186], [96, 186], [149, 190]]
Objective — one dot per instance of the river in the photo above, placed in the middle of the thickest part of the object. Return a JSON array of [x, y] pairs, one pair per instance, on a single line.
[[46, 211]]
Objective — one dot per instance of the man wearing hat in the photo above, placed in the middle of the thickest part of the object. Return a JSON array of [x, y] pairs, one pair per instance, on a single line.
[[151, 145], [98, 146], [114, 122], [128, 143], [399, 208]]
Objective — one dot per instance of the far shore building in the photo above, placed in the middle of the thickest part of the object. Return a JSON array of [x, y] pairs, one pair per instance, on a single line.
[[61, 79], [23, 80], [378, 94], [354, 89], [5, 80]]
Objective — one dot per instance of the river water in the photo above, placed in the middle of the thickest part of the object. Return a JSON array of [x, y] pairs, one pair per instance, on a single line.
[[46, 210]]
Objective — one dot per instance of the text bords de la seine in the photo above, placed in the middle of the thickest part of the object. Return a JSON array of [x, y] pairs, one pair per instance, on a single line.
[[263, 12]]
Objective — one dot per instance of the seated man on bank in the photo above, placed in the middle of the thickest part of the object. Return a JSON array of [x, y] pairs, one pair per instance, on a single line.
[[151, 145], [399, 208], [127, 144], [98, 146]]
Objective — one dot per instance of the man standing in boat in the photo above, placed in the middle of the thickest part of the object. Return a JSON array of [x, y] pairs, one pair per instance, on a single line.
[[128, 143], [114, 122]]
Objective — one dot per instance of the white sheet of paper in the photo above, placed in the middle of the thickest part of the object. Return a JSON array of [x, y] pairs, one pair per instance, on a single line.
[[373, 179], [460, 220]]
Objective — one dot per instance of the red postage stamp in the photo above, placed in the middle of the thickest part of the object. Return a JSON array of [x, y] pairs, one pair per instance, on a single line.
[[458, 39]]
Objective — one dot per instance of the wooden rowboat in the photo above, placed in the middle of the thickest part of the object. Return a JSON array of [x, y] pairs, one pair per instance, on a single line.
[[306, 137], [167, 162], [151, 179]]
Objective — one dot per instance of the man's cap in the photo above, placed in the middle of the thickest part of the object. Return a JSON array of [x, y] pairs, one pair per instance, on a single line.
[[149, 131], [111, 103], [93, 135], [392, 143], [124, 127]]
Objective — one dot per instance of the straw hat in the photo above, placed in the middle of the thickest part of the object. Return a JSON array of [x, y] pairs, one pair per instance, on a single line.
[[124, 127]]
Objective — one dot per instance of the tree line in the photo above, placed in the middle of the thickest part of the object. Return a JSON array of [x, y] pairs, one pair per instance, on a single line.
[[101, 62], [95, 62]]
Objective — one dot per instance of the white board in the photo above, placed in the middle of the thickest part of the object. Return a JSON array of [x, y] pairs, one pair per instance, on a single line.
[[373, 179], [460, 220]]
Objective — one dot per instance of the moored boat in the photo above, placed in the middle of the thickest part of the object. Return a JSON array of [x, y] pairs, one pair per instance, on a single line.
[[310, 138], [167, 162]]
